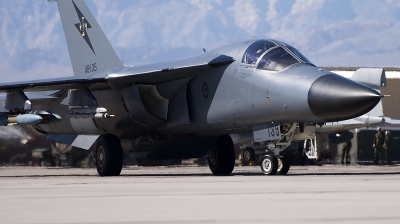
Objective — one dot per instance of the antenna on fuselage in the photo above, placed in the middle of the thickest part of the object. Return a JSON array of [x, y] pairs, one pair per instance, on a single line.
[[204, 49]]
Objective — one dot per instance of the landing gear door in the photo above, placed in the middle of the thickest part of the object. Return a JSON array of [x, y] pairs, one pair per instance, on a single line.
[[267, 132]]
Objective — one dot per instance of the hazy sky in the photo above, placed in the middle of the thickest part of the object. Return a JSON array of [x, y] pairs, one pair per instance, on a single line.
[[328, 32]]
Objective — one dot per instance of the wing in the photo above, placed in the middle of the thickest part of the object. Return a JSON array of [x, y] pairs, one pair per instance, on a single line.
[[62, 83], [120, 77]]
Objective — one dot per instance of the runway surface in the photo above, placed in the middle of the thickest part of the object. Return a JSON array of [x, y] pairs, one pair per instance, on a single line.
[[317, 194]]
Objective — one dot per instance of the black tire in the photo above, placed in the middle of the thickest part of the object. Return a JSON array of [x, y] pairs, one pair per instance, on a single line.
[[108, 156], [248, 155], [269, 165], [222, 159], [283, 165]]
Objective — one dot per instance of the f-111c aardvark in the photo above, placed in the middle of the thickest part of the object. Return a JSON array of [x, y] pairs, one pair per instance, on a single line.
[[180, 109]]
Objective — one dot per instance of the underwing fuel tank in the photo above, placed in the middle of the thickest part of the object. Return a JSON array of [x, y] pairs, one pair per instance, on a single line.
[[30, 119], [333, 98], [26, 119]]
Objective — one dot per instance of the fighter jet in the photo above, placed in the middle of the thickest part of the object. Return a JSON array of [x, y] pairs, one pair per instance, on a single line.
[[180, 109]]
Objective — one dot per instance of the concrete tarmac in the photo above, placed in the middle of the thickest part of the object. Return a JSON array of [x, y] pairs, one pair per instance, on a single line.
[[183, 194]]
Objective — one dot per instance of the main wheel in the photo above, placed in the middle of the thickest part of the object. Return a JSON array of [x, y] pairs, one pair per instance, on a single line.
[[283, 165], [109, 156], [222, 159], [269, 165], [248, 156]]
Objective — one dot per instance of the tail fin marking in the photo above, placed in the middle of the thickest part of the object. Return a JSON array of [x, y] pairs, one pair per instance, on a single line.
[[89, 49]]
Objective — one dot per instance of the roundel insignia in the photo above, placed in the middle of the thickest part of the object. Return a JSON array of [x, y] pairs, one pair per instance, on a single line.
[[205, 90]]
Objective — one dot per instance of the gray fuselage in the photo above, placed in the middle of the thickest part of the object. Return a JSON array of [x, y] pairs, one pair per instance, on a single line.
[[228, 99]]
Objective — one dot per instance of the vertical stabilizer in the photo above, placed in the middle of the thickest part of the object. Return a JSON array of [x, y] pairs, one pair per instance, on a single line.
[[89, 49]]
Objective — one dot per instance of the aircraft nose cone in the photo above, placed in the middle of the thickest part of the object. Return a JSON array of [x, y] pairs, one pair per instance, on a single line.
[[334, 98]]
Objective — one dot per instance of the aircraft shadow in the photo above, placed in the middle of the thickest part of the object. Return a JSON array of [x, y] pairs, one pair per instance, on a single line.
[[206, 175], [343, 174], [261, 174]]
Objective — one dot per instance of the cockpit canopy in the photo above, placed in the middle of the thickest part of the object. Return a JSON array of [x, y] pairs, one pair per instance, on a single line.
[[272, 55]]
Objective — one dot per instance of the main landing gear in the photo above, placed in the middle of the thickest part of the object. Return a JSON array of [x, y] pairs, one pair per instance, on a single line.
[[271, 165], [109, 157], [222, 156]]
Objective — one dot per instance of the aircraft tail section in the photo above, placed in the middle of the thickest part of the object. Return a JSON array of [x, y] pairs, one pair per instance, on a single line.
[[89, 49]]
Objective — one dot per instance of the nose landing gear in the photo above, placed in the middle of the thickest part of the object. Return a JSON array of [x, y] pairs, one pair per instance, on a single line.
[[271, 165]]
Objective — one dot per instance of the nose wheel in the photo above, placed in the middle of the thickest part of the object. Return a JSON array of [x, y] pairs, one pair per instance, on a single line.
[[283, 165], [271, 165]]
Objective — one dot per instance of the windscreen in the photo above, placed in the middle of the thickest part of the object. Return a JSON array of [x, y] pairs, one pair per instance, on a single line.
[[298, 54], [255, 50], [276, 60]]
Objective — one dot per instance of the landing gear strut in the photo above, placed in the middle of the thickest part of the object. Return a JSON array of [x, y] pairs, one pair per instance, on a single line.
[[109, 156], [222, 156]]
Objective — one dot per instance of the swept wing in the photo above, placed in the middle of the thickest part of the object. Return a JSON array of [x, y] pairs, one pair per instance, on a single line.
[[120, 77]]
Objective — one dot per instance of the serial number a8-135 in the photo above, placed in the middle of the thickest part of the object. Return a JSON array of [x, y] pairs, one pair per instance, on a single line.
[[90, 68]]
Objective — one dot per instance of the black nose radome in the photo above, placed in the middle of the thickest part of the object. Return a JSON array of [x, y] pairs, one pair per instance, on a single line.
[[335, 98]]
